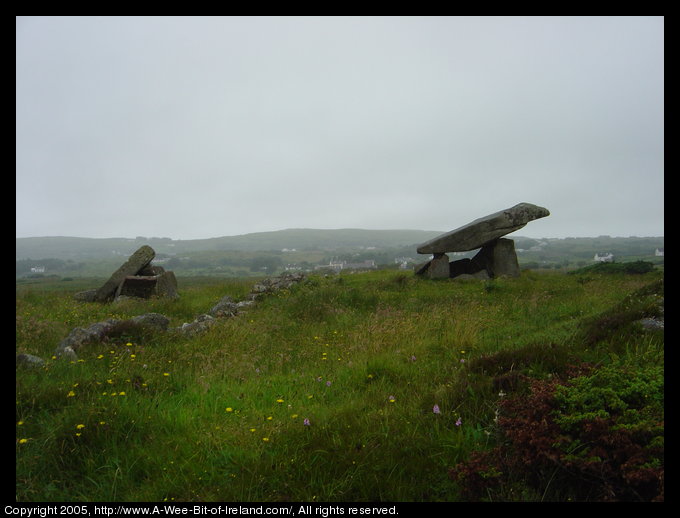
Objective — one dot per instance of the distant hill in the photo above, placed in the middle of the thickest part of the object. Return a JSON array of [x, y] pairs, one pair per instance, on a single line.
[[80, 249], [301, 249]]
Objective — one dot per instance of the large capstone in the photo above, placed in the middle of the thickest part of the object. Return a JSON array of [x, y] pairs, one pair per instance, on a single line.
[[496, 256], [484, 230]]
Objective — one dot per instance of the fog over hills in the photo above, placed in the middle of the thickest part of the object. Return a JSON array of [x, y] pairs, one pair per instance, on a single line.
[[79, 248]]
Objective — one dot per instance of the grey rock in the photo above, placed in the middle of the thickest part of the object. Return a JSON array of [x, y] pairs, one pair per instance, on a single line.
[[68, 354], [652, 323], [480, 275], [224, 308], [201, 324], [137, 261], [498, 258], [274, 284], [154, 320], [166, 285], [81, 336], [484, 230], [85, 296], [439, 267], [29, 360]]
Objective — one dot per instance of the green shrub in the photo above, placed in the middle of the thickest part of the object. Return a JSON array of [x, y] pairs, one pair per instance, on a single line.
[[633, 267], [595, 437]]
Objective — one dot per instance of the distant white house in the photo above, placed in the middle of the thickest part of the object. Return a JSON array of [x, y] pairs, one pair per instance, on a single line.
[[659, 252], [38, 269], [344, 265], [604, 258]]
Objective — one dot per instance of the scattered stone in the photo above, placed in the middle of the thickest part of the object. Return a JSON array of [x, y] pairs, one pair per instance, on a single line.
[[153, 320], [81, 336], [274, 284], [132, 285], [224, 308], [652, 323], [198, 326], [29, 360]]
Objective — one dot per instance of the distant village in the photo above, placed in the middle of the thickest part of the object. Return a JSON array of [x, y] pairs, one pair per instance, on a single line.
[[535, 258]]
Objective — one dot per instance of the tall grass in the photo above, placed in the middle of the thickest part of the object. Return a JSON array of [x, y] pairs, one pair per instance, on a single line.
[[326, 392]]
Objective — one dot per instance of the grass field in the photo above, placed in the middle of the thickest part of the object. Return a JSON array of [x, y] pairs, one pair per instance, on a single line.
[[369, 387]]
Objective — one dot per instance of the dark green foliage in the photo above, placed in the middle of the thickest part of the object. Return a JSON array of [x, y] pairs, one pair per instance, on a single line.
[[633, 267], [597, 436]]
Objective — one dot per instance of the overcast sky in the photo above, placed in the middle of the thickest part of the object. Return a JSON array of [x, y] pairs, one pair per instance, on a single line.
[[198, 127]]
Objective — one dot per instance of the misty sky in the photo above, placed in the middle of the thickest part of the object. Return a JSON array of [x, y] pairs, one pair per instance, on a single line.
[[198, 127]]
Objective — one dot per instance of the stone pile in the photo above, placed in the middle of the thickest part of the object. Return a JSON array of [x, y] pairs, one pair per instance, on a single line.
[[226, 307], [496, 256], [135, 278], [99, 332]]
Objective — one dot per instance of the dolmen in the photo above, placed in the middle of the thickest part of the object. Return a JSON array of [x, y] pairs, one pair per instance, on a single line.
[[496, 256], [135, 278]]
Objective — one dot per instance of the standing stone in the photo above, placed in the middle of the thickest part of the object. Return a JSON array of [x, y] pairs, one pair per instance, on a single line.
[[504, 261], [137, 261], [166, 285], [439, 267], [498, 258]]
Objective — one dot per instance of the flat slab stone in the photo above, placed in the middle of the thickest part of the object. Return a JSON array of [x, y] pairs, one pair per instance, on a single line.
[[484, 230], [137, 286]]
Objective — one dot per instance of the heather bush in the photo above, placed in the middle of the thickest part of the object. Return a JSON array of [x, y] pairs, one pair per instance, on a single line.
[[596, 436]]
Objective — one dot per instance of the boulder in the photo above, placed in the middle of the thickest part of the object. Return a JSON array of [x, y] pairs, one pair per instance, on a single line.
[[29, 360], [484, 230], [224, 308], [155, 320], [137, 261], [80, 336]]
